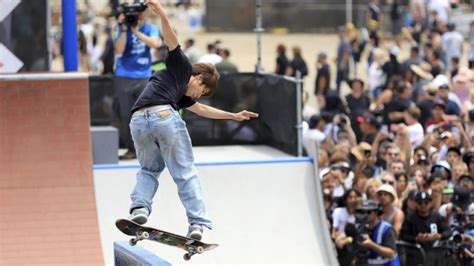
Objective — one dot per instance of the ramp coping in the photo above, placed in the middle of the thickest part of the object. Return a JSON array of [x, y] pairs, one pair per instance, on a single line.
[[127, 255]]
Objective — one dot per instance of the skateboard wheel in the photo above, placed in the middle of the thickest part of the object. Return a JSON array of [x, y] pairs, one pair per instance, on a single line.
[[132, 242], [187, 256], [199, 250], [145, 235]]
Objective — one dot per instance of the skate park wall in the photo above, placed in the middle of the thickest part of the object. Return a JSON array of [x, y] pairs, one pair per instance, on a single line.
[[47, 202], [264, 212]]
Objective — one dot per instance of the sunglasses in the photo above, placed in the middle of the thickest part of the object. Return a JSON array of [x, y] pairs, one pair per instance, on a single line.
[[365, 211], [388, 182], [393, 153]]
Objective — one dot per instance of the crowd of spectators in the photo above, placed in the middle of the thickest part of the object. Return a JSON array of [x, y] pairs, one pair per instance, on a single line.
[[396, 157]]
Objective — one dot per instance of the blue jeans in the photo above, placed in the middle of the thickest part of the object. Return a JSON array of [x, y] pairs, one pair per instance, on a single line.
[[161, 138]]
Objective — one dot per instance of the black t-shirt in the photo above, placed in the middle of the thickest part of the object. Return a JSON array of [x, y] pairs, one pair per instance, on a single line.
[[397, 104], [323, 71], [168, 85], [282, 63]]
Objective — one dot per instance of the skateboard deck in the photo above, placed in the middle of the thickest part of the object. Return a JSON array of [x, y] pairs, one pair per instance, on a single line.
[[139, 232]]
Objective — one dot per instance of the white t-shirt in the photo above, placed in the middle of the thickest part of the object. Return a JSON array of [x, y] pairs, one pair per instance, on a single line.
[[376, 76], [340, 217], [210, 59], [442, 7], [416, 134]]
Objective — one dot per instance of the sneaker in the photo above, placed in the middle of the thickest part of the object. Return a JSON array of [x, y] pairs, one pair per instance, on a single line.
[[129, 155], [140, 215], [195, 231]]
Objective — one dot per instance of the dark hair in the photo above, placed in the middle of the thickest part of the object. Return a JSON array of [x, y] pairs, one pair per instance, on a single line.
[[190, 41], [210, 76], [398, 175], [226, 52], [346, 195], [210, 46], [281, 49]]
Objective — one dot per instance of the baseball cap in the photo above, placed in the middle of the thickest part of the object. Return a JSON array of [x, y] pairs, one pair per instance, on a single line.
[[368, 118], [439, 103], [420, 196], [461, 196], [441, 81], [443, 165], [368, 205]]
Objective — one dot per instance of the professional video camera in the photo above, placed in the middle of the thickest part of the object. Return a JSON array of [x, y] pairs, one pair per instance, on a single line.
[[455, 243], [131, 11]]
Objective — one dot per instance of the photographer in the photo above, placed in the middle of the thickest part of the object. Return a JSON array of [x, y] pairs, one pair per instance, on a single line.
[[379, 240], [133, 69]]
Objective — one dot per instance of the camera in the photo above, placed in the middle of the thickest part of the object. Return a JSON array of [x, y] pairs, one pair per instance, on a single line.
[[132, 11]]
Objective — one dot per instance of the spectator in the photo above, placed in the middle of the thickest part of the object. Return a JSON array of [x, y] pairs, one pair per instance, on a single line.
[[371, 188], [396, 167], [211, 57], [107, 56], [394, 112], [468, 159], [133, 69], [226, 66], [420, 78], [376, 76], [314, 132], [282, 60], [424, 227], [345, 213], [452, 44], [323, 76], [358, 103], [426, 105], [422, 181], [381, 239], [458, 169], [369, 127], [454, 67], [415, 129], [297, 64], [451, 108], [344, 52], [414, 59], [409, 204], [437, 65], [402, 187], [396, 14], [191, 51], [392, 214], [454, 211]]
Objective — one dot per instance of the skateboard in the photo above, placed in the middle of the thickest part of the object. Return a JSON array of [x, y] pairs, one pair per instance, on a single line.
[[191, 246]]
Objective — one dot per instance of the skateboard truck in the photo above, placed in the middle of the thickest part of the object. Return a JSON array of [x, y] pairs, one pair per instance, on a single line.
[[192, 252], [139, 237]]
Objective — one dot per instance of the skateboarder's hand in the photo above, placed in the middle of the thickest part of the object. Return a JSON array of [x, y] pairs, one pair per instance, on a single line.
[[245, 115]]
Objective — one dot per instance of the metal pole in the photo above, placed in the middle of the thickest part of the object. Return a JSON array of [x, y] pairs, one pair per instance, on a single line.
[[299, 118], [349, 11], [69, 35], [258, 30]]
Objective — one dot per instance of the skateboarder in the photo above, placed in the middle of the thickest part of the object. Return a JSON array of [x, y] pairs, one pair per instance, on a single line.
[[160, 135]]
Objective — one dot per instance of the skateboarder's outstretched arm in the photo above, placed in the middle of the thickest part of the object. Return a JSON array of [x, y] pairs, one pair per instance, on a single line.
[[169, 36], [214, 113]]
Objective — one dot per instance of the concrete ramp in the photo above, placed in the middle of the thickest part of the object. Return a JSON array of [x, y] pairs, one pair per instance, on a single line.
[[264, 211]]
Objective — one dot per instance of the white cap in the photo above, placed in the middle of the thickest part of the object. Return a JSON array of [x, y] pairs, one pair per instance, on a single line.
[[441, 80], [394, 50]]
